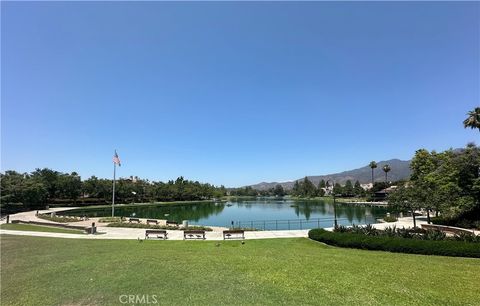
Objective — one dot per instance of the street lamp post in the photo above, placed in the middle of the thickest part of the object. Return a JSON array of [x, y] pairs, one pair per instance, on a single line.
[[335, 223], [335, 211]]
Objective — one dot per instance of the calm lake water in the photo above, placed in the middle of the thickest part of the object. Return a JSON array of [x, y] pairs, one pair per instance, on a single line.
[[266, 214]]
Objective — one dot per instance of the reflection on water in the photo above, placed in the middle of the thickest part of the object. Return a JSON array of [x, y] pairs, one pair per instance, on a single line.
[[313, 213]]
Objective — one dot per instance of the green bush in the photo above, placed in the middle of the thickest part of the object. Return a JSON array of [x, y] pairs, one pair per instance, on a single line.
[[396, 244], [109, 219], [390, 219], [463, 223], [152, 226]]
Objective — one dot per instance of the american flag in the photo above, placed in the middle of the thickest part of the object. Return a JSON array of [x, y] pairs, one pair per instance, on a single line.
[[116, 159]]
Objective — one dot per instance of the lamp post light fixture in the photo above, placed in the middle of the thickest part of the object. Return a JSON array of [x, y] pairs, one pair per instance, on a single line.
[[335, 223]]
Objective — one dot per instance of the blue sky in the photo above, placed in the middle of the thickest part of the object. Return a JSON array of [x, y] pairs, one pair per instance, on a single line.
[[234, 93]]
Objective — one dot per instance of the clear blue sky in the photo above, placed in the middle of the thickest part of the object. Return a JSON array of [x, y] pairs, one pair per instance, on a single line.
[[234, 93]]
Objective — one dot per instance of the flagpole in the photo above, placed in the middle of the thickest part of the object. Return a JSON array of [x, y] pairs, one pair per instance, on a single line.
[[113, 194]]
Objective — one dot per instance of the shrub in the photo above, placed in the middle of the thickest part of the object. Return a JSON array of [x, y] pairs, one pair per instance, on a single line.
[[59, 219], [341, 229], [396, 244], [463, 223], [390, 219], [152, 226], [467, 237], [110, 219], [390, 231], [434, 235], [246, 229]]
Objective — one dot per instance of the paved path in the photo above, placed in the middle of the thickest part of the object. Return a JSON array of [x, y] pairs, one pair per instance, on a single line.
[[137, 233]]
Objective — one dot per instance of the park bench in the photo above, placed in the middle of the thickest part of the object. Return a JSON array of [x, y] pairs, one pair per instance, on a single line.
[[447, 229], [130, 220], [152, 221], [194, 234], [159, 233], [231, 234], [172, 223]]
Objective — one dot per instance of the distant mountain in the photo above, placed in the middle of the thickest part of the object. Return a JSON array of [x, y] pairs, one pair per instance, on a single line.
[[400, 170]]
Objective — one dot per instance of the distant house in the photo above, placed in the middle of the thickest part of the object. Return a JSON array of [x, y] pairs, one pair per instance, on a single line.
[[383, 194], [328, 190], [366, 186]]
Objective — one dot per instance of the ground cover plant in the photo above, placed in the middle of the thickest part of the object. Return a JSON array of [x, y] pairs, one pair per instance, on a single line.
[[39, 228], [54, 271]]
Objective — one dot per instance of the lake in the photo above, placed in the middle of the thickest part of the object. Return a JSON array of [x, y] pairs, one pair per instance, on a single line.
[[268, 214]]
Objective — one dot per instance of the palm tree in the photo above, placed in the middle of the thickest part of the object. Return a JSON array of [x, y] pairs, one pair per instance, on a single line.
[[473, 120], [372, 165], [386, 169]]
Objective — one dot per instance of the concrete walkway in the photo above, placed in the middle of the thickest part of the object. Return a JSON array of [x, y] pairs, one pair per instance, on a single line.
[[138, 233]]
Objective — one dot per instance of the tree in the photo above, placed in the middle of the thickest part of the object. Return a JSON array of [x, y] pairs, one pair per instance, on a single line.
[[373, 165], [473, 119], [321, 188], [357, 189], [21, 191], [278, 191], [308, 189], [405, 199], [348, 188], [386, 169], [322, 184], [296, 189], [448, 182], [337, 189], [69, 186], [34, 194], [49, 178]]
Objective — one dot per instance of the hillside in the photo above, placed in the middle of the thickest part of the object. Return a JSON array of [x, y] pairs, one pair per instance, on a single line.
[[400, 170]]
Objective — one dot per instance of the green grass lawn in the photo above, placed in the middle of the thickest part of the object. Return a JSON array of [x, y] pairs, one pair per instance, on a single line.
[[54, 271], [39, 228]]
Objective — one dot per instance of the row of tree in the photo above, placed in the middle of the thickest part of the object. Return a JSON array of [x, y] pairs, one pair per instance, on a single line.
[[305, 189], [22, 191], [386, 168], [446, 183]]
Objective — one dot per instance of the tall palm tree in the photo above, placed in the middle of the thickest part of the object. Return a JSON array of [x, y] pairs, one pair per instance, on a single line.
[[386, 169], [473, 119], [372, 165]]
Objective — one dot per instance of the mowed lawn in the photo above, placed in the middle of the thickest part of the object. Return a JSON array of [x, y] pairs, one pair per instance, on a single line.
[[39, 228], [54, 271]]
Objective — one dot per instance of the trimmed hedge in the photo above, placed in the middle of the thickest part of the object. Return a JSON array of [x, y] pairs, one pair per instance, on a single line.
[[396, 244]]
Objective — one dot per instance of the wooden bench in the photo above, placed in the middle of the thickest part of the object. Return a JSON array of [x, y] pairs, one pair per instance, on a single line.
[[231, 234], [152, 221], [194, 234], [159, 233], [444, 228], [130, 220], [172, 223]]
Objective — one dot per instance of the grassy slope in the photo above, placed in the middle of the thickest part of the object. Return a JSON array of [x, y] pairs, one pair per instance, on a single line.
[[46, 271], [38, 228]]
